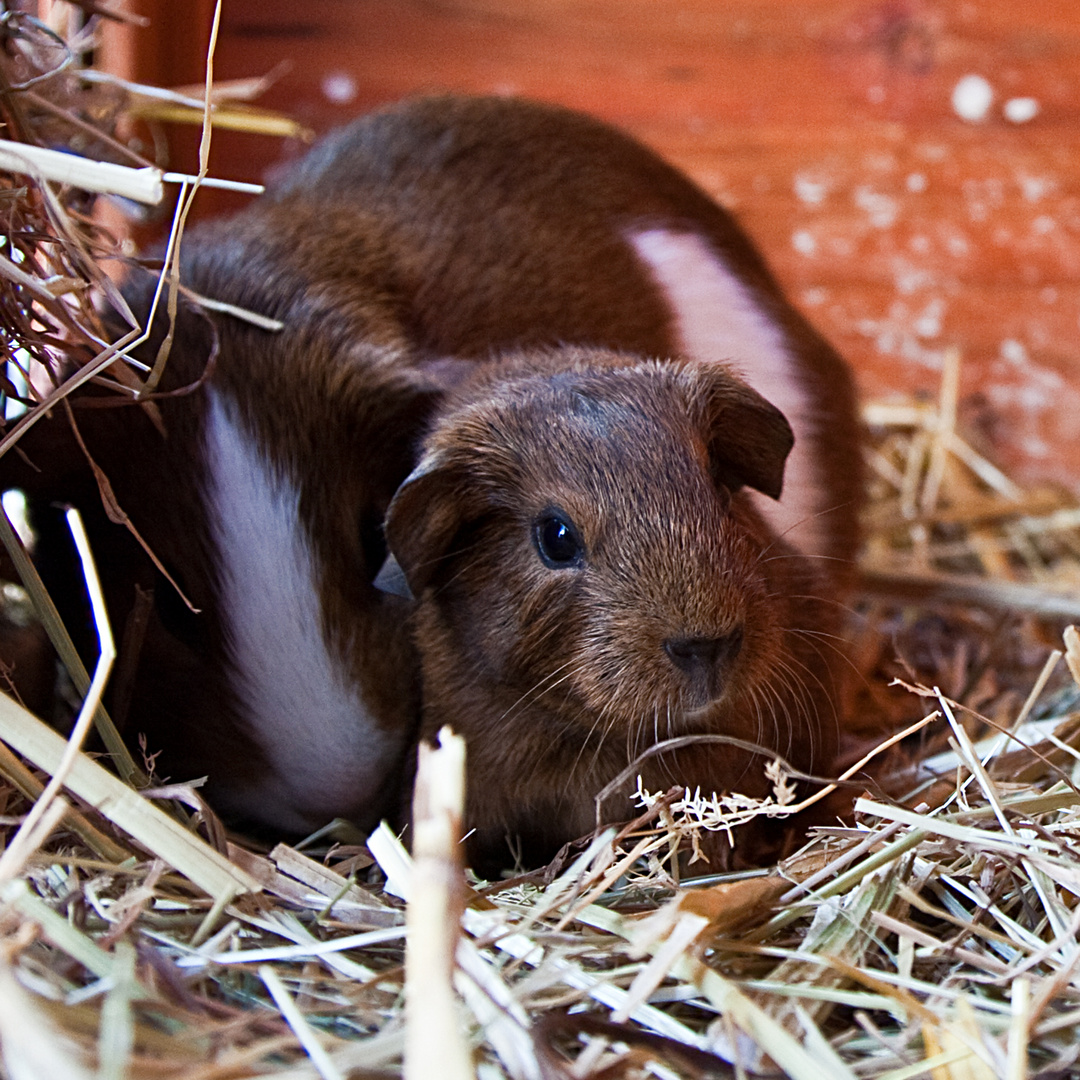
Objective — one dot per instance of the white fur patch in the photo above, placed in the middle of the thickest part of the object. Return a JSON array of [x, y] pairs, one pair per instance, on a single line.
[[717, 318], [324, 750]]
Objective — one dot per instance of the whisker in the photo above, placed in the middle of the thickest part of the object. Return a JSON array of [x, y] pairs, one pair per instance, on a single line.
[[825, 601], [538, 690], [811, 517], [827, 640]]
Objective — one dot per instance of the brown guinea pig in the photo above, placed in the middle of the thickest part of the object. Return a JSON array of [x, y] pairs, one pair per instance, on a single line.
[[516, 463]]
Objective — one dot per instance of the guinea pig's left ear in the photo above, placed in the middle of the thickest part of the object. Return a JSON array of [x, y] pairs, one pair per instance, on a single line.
[[749, 439], [421, 522]]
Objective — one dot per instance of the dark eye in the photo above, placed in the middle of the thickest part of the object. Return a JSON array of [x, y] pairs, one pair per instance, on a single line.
[[557, 541]]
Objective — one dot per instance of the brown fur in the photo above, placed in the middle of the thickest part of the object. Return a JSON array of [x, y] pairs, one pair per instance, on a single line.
[[457, 291], [559, 678]]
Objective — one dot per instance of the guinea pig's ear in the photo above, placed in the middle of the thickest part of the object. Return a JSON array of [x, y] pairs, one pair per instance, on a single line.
[[423, 517], [749, 439]]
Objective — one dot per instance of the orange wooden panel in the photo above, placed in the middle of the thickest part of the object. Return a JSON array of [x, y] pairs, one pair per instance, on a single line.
[[828, 125], [744, 62]]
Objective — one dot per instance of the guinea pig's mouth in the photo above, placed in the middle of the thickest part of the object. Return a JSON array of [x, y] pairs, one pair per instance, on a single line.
[[696, 713], [696, 716], [689, 705]]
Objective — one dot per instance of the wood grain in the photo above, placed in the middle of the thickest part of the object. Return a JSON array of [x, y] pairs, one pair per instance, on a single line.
[[828, 126]]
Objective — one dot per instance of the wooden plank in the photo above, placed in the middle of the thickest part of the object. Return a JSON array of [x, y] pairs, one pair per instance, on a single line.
[[676, 61], [828, 126]]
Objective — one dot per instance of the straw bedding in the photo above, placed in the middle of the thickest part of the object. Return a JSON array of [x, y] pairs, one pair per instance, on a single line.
[[928, 927]]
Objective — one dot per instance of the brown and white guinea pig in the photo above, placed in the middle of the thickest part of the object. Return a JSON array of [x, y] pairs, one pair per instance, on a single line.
[[541, 453]]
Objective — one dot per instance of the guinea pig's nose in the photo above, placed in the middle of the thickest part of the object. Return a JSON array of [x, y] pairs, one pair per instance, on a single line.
[[705, 659]]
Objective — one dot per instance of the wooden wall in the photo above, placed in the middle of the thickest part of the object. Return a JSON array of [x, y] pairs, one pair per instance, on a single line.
[[829, 126]]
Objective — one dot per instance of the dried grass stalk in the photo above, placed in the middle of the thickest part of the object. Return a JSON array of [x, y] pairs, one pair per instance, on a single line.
[[143, 185], [433, 1042]]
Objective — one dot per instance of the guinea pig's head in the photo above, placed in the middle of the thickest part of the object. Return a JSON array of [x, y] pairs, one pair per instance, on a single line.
[[576, 540]]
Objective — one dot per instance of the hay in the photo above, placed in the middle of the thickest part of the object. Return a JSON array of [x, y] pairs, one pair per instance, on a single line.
[[931, 932]]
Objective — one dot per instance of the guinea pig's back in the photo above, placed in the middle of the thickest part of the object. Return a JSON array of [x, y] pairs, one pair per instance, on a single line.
[[518, 224], [511, 216]]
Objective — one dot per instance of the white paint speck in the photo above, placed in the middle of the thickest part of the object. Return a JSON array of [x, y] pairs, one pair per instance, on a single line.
[[897, 333], [1034, 398], [811, 189], [928, 323], [916, 182], [815, 297], [803, 242], [1043, 225], [910, 277], [881, 209], [972, 97], [875, 95], [1034, 188], [958, 245], [1049, 295], [877, 161], [1014, 352], [1019, 110], [339, 88]]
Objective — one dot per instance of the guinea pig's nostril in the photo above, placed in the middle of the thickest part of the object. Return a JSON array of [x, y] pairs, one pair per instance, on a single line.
[[705, 659], [690, 653]]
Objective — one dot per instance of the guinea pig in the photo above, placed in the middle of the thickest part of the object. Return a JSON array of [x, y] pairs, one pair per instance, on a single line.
[[540, 452]]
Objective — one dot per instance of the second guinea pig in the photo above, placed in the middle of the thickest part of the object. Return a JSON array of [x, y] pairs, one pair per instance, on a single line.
[[540, 452]]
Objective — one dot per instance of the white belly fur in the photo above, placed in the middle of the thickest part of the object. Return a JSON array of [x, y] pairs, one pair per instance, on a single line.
[[324, 750], [717, 318]]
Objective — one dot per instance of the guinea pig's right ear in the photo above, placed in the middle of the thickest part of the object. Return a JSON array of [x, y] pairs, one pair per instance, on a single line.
[[749, 438], [424, 515]]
